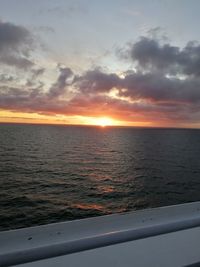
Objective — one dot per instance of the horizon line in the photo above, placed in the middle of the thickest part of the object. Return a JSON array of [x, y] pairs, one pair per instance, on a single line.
[[99, 126]]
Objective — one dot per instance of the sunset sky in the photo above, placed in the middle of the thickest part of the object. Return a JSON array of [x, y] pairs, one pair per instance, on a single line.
[[113, 62]]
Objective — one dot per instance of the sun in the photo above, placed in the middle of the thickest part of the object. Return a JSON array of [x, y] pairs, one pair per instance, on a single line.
[[104, 121]]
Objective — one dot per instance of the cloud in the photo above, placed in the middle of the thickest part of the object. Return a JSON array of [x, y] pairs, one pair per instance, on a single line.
[[16, 43], [164, 88], [151, 55], [140, 97], [6, 78], [95, 81], [144, 86], [37, 72], [59, 87], [16, 60], [159, 88]]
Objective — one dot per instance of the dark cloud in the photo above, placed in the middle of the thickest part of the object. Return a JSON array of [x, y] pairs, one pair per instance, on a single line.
[[16, 43], [136, 85], [62, 82], [159, 88], [96, 81], [12, 36], [151, 55]]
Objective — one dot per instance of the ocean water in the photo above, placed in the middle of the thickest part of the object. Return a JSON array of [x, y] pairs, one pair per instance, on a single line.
[[57, 173]]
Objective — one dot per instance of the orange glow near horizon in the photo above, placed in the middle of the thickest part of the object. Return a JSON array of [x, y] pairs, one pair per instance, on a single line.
[[100, 121], [35, 118]]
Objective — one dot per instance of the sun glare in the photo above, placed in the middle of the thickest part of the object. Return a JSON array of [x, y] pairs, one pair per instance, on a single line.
[[103, 122]]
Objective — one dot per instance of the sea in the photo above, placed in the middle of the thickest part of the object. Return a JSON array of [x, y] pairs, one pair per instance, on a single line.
[[56, 173]]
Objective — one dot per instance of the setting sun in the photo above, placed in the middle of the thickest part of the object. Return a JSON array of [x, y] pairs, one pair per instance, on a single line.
[[104, 122]]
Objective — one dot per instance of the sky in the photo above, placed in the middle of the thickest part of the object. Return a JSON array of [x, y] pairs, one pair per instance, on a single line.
[[114, 62]]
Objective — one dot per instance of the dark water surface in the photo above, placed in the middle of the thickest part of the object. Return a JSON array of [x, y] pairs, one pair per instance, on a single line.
[[57, 173]]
